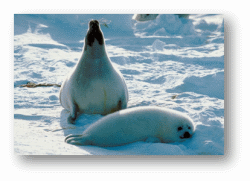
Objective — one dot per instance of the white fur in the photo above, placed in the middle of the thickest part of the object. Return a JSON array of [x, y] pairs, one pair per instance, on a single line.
[[95, 86], [135, 124]]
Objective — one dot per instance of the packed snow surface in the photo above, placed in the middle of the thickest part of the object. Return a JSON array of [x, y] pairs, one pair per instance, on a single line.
[[167, 61]]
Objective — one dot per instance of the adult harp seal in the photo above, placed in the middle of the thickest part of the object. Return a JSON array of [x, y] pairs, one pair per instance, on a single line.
[[95, 86]]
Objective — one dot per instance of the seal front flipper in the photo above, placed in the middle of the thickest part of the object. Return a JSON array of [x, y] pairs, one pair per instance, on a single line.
[[73, 113]]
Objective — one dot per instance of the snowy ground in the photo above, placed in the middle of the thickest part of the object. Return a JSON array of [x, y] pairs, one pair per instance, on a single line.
[[159, 59]]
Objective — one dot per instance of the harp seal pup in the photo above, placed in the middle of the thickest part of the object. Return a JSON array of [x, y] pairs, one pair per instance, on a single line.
[[136, 124], [94, 86]]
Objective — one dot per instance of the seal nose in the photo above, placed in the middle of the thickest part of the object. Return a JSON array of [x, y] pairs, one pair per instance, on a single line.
[[186, 135], [94, 24]]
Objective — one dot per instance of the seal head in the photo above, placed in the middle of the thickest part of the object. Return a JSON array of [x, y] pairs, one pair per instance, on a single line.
[[94, 33]]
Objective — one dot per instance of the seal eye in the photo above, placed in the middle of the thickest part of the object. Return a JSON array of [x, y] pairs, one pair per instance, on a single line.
[[189, 127], [179, 128]]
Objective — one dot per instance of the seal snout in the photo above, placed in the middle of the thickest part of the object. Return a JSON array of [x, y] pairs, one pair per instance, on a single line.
[[94, 24], [94, 33], [186, 135]]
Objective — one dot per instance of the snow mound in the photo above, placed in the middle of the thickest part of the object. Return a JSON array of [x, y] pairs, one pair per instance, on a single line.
[[158, 45], [165, 24]]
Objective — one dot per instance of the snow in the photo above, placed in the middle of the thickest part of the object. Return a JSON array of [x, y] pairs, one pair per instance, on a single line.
[[168, 61]]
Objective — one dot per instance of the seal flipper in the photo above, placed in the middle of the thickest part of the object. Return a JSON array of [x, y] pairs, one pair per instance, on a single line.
[[119, 105], [77, 140], [73, 114]]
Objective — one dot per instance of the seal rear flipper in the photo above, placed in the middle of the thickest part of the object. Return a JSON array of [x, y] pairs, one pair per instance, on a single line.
[[77, 140]]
